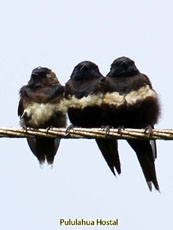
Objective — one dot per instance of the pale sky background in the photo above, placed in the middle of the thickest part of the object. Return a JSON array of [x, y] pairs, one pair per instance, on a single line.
[[59, 35]]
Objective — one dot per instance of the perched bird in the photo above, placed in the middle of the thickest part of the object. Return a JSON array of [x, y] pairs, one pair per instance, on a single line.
[[41, 106], [83, 94], [131, 102]]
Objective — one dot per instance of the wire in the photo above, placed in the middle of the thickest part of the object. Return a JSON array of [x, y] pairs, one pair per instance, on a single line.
[[161, 134]]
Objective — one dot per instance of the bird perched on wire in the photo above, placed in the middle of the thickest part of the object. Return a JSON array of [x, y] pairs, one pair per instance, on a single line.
[[131, 102], [83, 94], [41, 106]]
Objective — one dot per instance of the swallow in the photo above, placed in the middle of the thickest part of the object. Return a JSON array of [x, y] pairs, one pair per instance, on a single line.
[[83, 93], [131, 102], [41, 106]]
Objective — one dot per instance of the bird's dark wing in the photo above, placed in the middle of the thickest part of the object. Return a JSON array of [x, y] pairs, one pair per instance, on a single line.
[[24, 93], [44, 148], [109, 149], [20, 108], [145, 80], [144, 153], [56, 91], [153, 145], [154, 148]]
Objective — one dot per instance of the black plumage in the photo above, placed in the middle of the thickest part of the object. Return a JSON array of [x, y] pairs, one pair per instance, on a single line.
[[84, 93], [41, 106], [131, 102]]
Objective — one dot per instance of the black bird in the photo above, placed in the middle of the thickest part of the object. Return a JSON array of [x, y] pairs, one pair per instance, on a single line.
[[131, 102], [41, 106], [84, 93]]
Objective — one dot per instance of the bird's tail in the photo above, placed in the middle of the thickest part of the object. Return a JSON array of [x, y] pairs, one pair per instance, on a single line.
[[146, 159], [44, 148], [109, 149]]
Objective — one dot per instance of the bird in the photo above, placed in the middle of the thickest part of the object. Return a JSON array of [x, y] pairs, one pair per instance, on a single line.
[[41, 106], [83, 93], [131, 102]]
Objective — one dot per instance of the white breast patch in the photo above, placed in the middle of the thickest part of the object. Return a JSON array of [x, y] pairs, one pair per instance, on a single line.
[[90, 100], [38, 114], [141, 94], [116, 99]]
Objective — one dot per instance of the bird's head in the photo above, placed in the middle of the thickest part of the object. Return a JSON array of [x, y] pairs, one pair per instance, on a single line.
[[123, 66], [86, 70], [42, 76]]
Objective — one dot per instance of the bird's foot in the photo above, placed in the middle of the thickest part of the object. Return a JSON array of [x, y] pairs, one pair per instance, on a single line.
[[49, 128], [67, 132], [107, 129], [120, 128], [148, 130], [25, 129]]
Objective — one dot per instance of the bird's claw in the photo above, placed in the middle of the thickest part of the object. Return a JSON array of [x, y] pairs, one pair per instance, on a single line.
[[25, 129], [120, 128], [149, 130], [107, 129], [49, 128], [67, 132]]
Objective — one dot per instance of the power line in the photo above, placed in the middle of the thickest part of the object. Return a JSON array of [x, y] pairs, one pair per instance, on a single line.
[[161, 134]]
